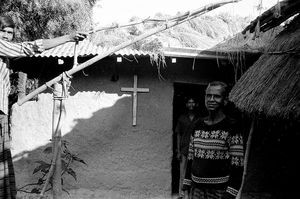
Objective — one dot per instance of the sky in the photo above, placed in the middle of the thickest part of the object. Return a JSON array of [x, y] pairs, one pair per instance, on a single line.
[[108, 11]]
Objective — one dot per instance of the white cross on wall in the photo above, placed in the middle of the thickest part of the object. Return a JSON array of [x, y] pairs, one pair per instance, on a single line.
[[135, 90]]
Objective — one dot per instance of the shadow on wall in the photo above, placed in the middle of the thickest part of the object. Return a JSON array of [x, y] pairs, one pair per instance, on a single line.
[[119, 157]]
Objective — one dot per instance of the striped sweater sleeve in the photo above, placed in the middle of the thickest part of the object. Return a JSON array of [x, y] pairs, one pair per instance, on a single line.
[[9, 49], [188, 179], [236, 152]]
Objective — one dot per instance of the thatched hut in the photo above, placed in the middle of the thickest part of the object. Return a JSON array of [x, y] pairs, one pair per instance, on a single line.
[[269, 92], [271, 85]]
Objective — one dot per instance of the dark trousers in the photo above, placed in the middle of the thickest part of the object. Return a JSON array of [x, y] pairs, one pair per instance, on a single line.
[[7, 175], [205, 193]]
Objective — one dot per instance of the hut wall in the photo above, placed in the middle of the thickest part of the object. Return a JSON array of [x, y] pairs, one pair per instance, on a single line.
[[120, 158], [274, 160]]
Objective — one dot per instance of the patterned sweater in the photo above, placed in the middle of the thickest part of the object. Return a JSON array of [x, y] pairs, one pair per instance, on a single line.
[[215, 157]]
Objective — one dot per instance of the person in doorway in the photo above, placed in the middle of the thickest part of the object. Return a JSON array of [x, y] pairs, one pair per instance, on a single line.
[[183, 131], [215, 159], [13, 50]]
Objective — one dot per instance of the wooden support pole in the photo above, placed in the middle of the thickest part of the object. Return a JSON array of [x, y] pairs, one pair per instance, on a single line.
[[75, 60], [59, 94], [22, 79], [57, 121], [247, 156]]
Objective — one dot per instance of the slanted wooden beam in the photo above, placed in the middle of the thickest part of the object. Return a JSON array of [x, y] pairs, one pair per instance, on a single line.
[[169, 24], [267, 19]]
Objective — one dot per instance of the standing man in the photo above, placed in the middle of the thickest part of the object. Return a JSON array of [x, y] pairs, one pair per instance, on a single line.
[[12, 50], [215, 159], [183, 131]]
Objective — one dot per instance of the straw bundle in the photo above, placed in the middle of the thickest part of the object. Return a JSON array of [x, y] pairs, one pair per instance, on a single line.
[[272, 85]]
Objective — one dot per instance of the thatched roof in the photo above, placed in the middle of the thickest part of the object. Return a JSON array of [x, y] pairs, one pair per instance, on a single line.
[[274, 16], [272, 85], [247, 42], [260, 32]]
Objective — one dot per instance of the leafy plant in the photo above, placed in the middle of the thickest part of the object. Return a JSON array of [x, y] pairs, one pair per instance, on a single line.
[[67, 161], [37, 19]]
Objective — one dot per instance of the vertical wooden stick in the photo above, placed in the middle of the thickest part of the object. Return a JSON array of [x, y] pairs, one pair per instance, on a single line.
[[134, 104], [58, 116], [22, 78], [247, 155], [75, 60]]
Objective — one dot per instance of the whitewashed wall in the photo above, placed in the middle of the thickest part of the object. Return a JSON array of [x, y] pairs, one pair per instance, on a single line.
[[121, 158]]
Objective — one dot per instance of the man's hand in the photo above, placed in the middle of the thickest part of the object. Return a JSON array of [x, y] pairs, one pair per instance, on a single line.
[[78, 36]]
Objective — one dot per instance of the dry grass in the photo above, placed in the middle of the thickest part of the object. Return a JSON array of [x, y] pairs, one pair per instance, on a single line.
[[272, 85]]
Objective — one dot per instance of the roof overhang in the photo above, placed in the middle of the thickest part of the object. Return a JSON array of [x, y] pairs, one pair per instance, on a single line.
[[192, 53]]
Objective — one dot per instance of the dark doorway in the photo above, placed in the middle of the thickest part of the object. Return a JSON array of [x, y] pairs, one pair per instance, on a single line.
[[181, 91]]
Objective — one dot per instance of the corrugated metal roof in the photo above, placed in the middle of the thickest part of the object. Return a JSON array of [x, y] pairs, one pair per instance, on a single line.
[[128, 52], [86, 48], [192, 53]]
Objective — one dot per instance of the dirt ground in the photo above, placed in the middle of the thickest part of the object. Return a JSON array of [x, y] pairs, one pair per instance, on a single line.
[[95, 194]]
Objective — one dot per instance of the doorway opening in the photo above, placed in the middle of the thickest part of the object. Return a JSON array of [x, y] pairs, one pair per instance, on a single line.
[[181, 91]]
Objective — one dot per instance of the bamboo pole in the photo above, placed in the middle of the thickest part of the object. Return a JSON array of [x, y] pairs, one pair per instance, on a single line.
[[180, 19], [58, 117], [50, 173], [247, 156], [147, 20], [22, 78], [75, 60]]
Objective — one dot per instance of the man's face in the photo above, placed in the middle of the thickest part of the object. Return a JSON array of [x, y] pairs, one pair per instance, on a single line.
[[7, 34], [214, 99], [191, 104]]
